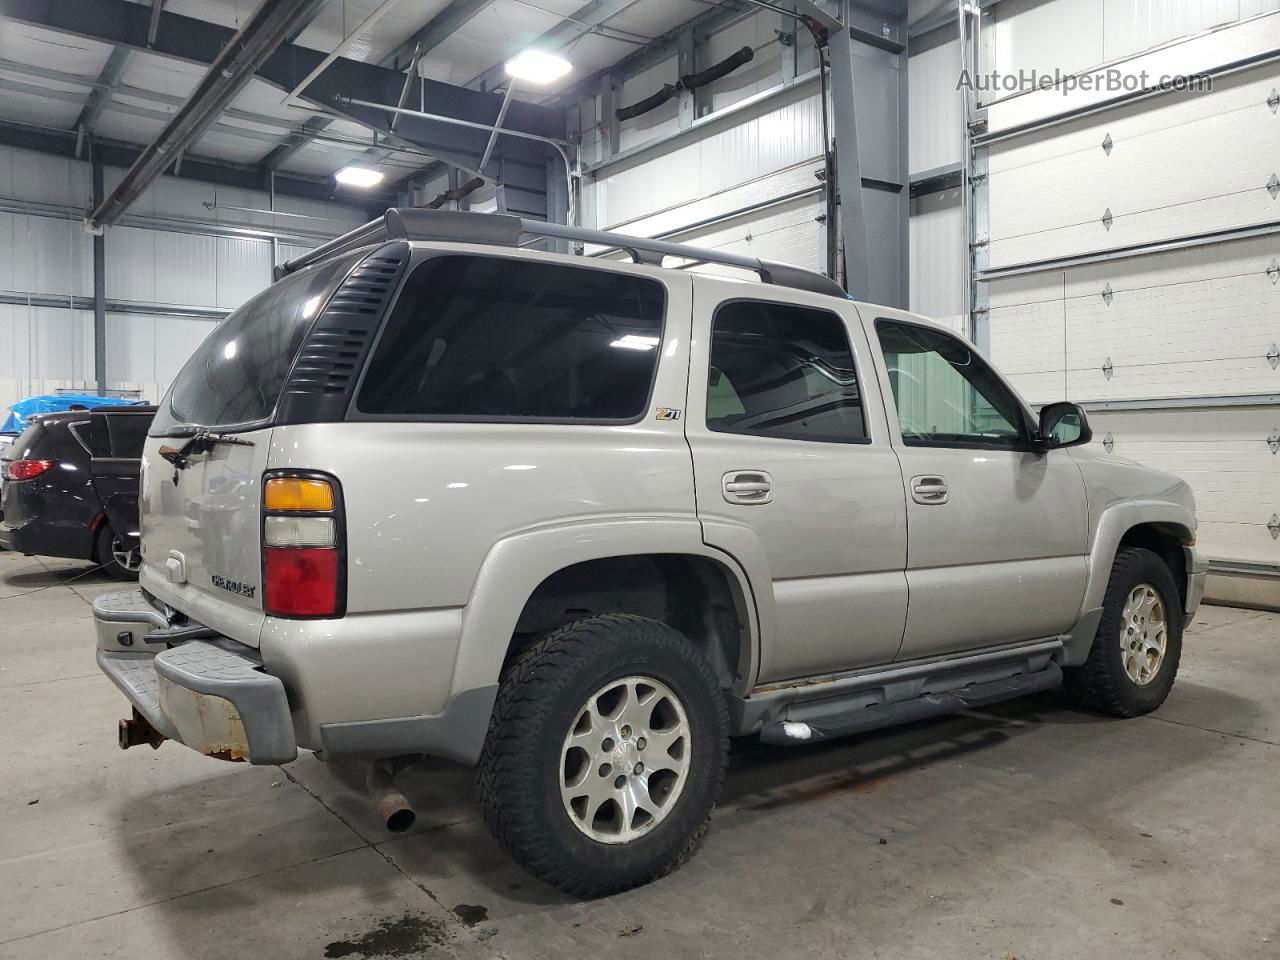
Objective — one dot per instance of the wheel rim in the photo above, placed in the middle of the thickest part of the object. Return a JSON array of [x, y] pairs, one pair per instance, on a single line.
[[130, 559], [1144, 634], [625, 759]]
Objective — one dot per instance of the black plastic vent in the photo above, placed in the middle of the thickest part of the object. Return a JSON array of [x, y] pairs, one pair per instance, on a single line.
[[324, 374]]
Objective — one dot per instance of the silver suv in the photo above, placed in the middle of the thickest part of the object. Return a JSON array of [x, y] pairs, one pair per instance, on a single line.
[[578, 521]]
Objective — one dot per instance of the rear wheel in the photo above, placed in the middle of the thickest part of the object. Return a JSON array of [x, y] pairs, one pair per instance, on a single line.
[[1134, 658], [117, 560], [605, 754]]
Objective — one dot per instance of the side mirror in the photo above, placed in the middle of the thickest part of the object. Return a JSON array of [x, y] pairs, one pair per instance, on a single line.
[[1063, 424]]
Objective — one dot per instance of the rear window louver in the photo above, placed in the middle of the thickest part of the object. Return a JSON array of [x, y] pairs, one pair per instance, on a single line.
[[327, 366]]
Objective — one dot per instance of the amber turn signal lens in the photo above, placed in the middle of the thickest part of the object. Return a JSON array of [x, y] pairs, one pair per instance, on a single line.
[[296, 493]]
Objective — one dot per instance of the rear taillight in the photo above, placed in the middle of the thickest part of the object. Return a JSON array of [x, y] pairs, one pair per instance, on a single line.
[[303, 559], [25, 469]]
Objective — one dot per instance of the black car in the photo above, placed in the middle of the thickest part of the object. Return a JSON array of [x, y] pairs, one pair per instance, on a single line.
[[70, 487]]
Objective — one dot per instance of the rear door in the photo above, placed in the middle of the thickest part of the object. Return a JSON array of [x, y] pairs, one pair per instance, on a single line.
[[792, 460], [201, 499]]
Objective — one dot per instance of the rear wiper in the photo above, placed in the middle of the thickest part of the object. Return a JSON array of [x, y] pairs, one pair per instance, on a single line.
[[201, 442]]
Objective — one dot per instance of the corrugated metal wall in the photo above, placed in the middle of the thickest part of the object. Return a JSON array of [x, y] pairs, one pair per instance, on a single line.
[[183, 269]]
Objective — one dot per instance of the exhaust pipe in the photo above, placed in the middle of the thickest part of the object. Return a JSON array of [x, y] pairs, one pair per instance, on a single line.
[[138, 730], [392, 805]]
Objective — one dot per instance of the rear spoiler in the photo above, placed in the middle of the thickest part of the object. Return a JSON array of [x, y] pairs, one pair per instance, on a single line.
[[503, 230]]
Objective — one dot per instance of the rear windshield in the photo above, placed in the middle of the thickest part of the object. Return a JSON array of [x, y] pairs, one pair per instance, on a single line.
[[235, 376], [488, 338], [47, 439]]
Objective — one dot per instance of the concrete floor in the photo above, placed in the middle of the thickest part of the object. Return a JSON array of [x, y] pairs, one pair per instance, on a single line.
[[1027, 830]]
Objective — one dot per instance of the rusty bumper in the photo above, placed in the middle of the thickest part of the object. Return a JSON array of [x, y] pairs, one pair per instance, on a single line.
[[209, 694]]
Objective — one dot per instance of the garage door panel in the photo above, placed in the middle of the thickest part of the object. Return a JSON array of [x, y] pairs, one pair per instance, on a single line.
[[1137, 381], [1131, 228], [1224, 455], [1028, 338], [1074, 181], [1212, 262], [1212, 319]]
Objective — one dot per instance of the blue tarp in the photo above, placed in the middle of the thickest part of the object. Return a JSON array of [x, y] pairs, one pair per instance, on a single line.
[[21, 412]]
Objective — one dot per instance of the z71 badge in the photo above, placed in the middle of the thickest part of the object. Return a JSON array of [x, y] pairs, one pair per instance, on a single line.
[[234, 586]]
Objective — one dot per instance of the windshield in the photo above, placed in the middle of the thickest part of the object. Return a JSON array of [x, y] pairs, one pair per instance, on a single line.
[[236, 374]]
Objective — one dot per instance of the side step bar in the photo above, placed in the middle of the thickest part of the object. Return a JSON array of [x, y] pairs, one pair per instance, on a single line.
[[814, 721]]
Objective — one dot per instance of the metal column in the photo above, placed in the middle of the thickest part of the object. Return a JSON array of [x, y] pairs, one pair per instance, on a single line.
[[868, 55], [99, 284]]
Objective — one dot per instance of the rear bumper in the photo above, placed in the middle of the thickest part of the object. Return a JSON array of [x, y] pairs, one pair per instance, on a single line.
[[208, 693], [225, 699]]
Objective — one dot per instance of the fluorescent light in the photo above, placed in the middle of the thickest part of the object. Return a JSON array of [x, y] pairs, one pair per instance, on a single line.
[[537, 66], [358, 177], [229, 351], [633, 342]]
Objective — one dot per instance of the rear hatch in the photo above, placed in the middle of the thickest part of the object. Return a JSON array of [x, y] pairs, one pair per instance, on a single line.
[[116, 436], [208, 447]]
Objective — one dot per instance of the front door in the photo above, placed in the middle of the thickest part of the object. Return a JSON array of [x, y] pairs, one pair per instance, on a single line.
[[997, 530], [795, 474]]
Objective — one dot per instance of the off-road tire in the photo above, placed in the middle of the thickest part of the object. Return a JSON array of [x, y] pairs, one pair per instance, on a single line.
[[102, 551], [539, 697], [1101, 683]]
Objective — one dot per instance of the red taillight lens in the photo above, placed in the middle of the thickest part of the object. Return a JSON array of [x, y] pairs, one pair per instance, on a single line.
[[25, 469], [301, 582], [303, 559]]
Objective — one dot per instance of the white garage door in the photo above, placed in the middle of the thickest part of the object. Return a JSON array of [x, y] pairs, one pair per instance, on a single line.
[[1175, 352]]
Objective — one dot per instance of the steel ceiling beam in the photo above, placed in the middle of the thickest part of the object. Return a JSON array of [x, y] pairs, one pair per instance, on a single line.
[[121, 22], [100, 96], [227, 75], [116, 153]]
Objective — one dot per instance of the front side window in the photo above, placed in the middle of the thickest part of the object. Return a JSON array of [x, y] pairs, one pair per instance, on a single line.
[[490, 338], [785, 371], [944, 393]]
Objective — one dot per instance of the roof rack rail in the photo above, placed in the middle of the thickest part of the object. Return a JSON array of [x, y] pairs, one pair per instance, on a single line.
[[414, 223]]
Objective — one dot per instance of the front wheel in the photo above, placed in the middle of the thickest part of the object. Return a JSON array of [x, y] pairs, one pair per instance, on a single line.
[[605, 754], [1135, 654], [118, 560]]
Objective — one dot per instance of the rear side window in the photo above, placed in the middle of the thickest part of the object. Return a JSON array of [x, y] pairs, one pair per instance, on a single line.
[[783, 371], [115, 434], [489, 338], [235, 376]]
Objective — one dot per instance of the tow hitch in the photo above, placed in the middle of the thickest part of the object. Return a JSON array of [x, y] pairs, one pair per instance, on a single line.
[[138, 730]]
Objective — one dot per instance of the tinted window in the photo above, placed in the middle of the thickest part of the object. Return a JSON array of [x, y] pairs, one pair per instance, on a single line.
[[944, 393], [236, 375], [491, 338], [117, 434], [783, 371], [48, 439]]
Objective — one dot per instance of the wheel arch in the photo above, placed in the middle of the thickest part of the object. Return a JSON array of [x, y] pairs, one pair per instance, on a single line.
[[658, 568], [1160, 525]]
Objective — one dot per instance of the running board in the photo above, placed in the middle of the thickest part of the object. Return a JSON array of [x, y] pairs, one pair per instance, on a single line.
[[822, 720]]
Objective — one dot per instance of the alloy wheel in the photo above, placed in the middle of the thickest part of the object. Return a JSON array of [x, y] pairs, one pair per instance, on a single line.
[[625, 759]]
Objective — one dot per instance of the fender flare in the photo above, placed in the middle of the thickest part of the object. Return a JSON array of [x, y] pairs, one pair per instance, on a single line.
[[1115, 521], [516, 565]]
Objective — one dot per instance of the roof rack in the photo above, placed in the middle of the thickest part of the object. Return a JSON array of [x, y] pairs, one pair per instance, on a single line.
[[413, 223]]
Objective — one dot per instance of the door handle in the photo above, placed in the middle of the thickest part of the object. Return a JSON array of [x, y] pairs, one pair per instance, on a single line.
[[930, 490], [747, 487]]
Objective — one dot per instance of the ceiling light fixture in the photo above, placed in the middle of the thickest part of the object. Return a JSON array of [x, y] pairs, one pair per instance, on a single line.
[[538, 66], [361, 177]]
